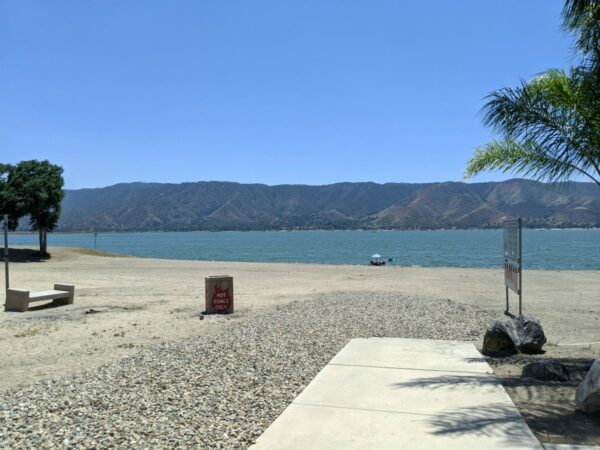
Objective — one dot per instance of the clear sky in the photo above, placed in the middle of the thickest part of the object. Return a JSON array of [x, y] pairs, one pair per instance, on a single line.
[[303, 91]]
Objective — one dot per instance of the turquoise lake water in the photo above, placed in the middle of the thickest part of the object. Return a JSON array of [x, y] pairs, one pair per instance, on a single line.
[[542, 249]]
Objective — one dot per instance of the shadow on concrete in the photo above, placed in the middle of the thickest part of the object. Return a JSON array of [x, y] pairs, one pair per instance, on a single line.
[[551, 416], [24, 255], [460, 381], [494, 420], [548, 407], [451, 382]]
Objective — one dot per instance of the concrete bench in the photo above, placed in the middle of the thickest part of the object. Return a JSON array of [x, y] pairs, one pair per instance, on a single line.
[[18, 300]]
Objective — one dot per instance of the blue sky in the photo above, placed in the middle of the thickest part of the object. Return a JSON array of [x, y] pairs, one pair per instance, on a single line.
[[311, 91]]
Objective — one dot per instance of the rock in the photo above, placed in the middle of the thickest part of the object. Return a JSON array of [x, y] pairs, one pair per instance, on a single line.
[[523, 333], [588, 392], [531, 337], [500, 338], [546, 369]]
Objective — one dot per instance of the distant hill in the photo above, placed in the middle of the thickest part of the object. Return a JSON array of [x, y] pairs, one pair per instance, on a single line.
[[234, 206]]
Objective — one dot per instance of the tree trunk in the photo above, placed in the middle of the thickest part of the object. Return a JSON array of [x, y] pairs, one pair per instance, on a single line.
[[43, 242]]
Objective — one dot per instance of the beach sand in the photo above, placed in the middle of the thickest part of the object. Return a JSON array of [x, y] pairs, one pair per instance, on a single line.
[[123, 304]]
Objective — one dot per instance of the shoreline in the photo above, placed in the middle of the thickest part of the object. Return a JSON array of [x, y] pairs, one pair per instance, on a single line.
[[103, 253], [318, 230]]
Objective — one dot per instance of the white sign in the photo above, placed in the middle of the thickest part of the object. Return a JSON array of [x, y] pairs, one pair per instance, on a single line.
[[513, 263]]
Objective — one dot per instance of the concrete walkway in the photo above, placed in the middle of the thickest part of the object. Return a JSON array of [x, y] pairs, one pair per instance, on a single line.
[[385, 393]]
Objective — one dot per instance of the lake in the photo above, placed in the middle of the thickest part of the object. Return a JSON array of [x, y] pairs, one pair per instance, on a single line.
[[542, 249]]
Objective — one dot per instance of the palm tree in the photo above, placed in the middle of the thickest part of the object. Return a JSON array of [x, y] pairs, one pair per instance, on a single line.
[[550, 125], [582, 17]]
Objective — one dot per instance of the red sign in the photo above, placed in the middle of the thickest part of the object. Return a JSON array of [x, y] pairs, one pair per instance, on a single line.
[[220, 299]]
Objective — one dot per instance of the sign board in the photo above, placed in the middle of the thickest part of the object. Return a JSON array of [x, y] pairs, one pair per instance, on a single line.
[[512, 239], [219, 294], [512, 233], [6, 285], [512, 254], [221, 299]]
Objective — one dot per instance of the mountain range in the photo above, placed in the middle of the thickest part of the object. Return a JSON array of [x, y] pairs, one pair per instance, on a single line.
[[212, 205]]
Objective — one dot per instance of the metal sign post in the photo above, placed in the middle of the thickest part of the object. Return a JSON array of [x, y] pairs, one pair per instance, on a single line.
[[6, 251], [513, 261]]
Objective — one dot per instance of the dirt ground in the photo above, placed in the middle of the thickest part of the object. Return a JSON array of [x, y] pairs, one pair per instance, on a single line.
[[123, 304]]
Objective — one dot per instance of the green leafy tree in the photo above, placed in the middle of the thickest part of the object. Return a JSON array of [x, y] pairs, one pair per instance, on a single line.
[[9, 203], [550, 126], [4, 200], [37, 187]]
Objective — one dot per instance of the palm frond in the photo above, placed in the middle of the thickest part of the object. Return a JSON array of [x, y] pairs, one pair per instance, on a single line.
[[555, 111], [582, 17], [549, 126], [526, 158]]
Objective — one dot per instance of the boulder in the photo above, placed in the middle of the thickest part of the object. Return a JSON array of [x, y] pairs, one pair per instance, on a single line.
[[587, 396], [531, 337], [546, 369], [523, 333], [500, 338]]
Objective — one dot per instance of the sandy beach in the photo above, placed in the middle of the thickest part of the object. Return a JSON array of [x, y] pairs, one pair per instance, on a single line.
[[125, 305]]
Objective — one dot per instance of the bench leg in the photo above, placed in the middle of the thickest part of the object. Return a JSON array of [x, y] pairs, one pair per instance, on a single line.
[[16, 300], [65, 287]]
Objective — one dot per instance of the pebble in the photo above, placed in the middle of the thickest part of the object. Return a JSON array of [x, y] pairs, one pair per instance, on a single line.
[[221, 390]]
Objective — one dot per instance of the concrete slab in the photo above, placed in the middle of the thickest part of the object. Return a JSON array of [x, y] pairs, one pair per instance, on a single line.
[[384, 393], [315, 427], [412, 354], [401, 390]]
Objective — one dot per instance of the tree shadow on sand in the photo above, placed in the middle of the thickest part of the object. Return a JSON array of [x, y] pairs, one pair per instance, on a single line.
[[576, 366], [24, 255], [561, 423], [549, 406]]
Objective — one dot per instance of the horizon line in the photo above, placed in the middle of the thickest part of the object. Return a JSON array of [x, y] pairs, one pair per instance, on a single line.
[[326, 184]]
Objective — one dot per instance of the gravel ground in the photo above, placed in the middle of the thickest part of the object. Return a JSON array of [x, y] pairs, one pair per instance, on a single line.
[[221, 390]]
